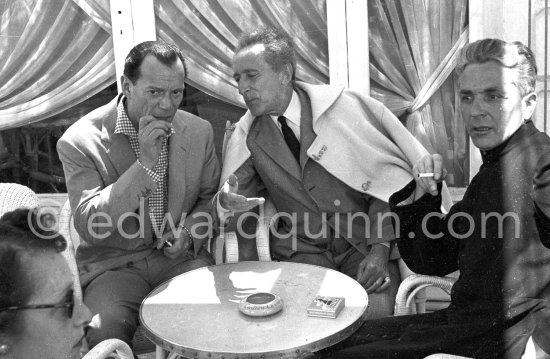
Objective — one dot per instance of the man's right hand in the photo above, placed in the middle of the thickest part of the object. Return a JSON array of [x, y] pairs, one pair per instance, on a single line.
[[231, 201], [432, 167], [152, 134]]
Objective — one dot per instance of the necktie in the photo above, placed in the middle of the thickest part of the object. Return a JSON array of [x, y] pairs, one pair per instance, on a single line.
[[290, 138]]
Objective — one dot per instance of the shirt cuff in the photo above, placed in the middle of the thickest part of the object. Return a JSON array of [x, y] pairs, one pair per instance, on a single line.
[[155, 176], [385, 244]]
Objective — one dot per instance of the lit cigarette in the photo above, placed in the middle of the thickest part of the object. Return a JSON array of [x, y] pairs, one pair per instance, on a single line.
[[167, 244], [427, 174]]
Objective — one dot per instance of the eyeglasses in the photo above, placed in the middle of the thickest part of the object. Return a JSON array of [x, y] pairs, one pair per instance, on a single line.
[[68, 303]]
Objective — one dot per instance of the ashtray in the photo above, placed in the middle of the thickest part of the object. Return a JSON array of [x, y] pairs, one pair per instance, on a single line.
[[261, 304]]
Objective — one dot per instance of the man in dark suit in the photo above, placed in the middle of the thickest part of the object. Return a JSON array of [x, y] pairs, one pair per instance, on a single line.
[[327, 158], [502, 296], [140, 174]]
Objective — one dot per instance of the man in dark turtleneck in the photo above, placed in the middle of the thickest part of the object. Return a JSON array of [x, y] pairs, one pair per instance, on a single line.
[[491, 236]]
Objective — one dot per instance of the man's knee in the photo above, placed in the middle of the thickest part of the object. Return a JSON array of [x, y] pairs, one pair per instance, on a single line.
[[114, 297], [380, 305], [113, 322]]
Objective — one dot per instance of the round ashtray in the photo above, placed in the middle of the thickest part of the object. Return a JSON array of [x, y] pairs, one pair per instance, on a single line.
[[261, 304]]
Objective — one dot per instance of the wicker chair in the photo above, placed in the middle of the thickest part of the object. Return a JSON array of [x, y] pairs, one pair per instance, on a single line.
[[66, 227], [110, 348], [14, 196]]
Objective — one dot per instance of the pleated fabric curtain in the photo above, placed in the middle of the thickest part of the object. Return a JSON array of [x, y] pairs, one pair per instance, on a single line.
[[207, 32], [413, 47], [53, 55]]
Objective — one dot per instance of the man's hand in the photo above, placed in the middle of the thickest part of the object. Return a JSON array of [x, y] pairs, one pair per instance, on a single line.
[[373, 271], [428, 165], [179, 244], [231, 201], [151, 135]]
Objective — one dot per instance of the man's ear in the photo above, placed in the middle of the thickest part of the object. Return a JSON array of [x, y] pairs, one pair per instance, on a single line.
[[125, 84], [528, 104], [285, 76]]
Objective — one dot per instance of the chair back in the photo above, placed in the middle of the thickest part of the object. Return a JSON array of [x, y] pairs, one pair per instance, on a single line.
[[14, 196], [67, 230], [229, 128]]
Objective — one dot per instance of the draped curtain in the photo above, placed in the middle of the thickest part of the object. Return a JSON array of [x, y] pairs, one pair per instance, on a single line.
[[413, 48], [53, 55], [207, 32]]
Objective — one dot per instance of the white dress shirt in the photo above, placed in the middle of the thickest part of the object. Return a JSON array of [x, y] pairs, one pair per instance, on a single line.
[[293, 114]]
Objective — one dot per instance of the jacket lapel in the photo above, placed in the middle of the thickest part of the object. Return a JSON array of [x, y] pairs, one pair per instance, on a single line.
[[321, 98], [178, 153], [117, 145], [269, 139], [307, 136]]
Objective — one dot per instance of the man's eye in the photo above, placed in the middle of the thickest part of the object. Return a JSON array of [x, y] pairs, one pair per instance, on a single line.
[[466, 99], [153, 92], [178, 92], [493, 97]]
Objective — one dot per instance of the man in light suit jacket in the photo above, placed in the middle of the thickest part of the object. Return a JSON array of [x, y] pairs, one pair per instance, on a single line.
[[139, 174], [327, 157]]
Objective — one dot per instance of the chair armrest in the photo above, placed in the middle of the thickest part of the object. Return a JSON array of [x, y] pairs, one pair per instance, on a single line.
[[445, 356], [110, 348], [414, 285], [228, 244], [265, 222]]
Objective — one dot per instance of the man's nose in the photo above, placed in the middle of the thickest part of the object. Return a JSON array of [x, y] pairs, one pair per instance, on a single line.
[[166, 102], [243, 86], [83, 315], [478, 107]]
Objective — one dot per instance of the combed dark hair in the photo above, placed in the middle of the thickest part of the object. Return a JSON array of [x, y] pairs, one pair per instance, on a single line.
[[166, 53], [513, 55], [20, 234], [279, 46]]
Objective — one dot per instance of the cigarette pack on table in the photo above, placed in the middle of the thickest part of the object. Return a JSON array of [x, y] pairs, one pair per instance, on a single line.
[[326, 307]]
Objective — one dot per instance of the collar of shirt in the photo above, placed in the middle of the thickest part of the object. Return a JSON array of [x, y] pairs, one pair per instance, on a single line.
[[124, 125], [293, 114]]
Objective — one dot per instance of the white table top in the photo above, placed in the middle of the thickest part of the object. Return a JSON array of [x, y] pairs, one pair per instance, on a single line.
[[196, 314]]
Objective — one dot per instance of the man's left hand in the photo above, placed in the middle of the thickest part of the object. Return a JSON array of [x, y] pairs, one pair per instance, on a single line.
[[180, 244], [373, 271]]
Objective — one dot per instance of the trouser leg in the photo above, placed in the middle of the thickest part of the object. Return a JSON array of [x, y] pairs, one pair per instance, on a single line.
[[394, 337], [318, 259], [380, 304], [162, 268], [115, 296], [541, 336]]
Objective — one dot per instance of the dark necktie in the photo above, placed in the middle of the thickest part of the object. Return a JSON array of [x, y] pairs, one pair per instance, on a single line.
[[290, 138]]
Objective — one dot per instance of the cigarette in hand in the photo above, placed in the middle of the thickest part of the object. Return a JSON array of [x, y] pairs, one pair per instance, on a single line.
[[167, 244], [426, 174]]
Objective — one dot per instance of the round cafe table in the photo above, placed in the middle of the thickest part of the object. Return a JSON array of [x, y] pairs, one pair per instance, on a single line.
[[196, 314]]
